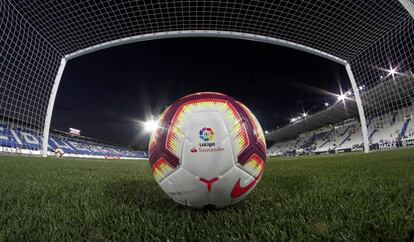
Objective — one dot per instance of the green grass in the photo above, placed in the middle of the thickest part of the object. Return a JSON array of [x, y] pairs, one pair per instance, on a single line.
[[349, 197]]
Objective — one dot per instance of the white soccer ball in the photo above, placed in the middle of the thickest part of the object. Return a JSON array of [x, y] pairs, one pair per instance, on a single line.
[[209, 149], [59, 152]]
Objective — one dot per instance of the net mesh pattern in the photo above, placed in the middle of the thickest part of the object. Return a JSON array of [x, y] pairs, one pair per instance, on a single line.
[[372, 35], [384, 73], [28, 65], [339, 27]]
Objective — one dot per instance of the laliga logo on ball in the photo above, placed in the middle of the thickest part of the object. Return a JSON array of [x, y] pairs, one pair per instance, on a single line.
[[216, 166], [206, 134]]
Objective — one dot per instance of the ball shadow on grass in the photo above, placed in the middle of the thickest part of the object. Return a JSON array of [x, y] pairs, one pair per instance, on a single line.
[[147, 194]]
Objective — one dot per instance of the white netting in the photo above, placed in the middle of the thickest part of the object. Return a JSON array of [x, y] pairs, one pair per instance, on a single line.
[[340, 27], [28, 65], [385, 72], [369, 34]]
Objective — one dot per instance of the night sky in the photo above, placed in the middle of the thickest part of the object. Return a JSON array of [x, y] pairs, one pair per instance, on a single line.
[[106, 93]]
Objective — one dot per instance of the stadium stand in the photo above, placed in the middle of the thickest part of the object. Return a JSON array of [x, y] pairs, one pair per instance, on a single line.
[[18, 140], [337, 128], [390, 130]]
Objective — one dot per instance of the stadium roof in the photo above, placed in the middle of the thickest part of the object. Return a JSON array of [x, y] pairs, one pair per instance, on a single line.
[[396, 90], [341, 28], [336, 113], [342, 110]]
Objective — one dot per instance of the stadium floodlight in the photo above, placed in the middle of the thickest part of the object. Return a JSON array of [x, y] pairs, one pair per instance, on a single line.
[[326, 104], [292, 120], [341, 97], [304, 114], [392, 72], [151, 125]]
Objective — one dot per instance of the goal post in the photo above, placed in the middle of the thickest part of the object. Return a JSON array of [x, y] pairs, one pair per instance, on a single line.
[[50, 106], [361, 111]]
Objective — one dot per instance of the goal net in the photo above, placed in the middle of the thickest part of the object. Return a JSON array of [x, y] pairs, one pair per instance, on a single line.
[[375, 37]]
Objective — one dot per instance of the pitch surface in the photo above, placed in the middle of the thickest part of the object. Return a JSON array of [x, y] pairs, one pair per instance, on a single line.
[[352, 197]]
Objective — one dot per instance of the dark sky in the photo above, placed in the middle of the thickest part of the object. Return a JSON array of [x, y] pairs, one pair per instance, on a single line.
[[106, 92]]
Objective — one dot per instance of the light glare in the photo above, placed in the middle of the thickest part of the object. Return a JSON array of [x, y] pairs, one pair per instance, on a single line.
[[392, 72], [151, 125], [341, 97]]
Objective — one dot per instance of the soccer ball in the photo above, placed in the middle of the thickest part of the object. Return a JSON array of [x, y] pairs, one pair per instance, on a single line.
[[208, 149], [59, 152]]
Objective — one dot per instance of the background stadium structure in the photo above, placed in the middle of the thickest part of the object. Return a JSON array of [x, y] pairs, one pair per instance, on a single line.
[[336, 129], [373, 39]]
